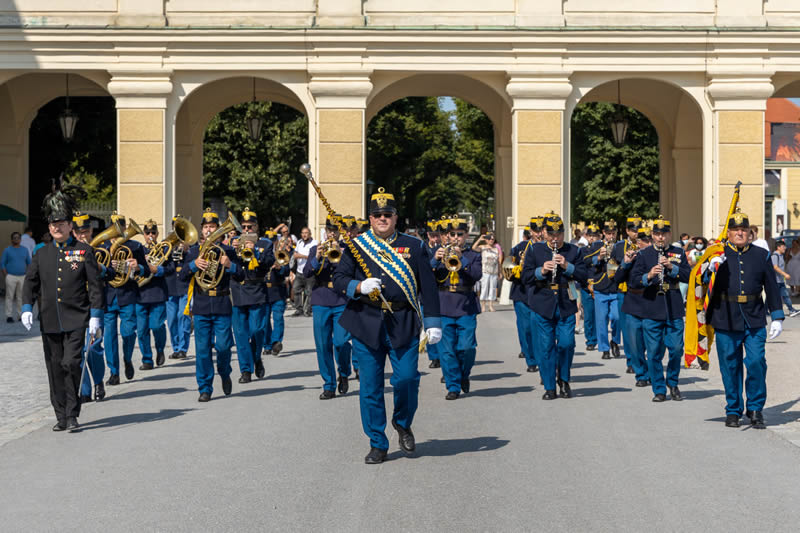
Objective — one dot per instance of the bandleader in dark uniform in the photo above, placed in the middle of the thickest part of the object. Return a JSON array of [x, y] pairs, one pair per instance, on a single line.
[[399, 269], [65, 276]]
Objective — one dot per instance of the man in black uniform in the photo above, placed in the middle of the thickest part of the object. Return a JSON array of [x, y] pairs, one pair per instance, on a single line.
[[396, 266], [65, 276]]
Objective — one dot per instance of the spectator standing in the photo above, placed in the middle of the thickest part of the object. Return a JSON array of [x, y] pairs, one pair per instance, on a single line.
[[28, 241], [46, 239], [491, 257], [793, 267], [779, 265], [696, 250], [14, 262], [301, 289], [761, 243]]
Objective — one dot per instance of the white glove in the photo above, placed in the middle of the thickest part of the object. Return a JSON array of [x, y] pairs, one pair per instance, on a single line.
[[716, 262], [434, 335], [27, 320], [94, 327], [775, 328], [369, 285]]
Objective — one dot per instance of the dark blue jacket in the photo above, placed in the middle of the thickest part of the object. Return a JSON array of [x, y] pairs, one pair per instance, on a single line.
[[206, 304], [321, 271], [276, 284], [541, 297], [175, 285], [157, 290], [460, 300], [634, 302], [362, 318], [600, 271], [518, 292], [252, 288], [128, 294], [667, 306], [745, 273]]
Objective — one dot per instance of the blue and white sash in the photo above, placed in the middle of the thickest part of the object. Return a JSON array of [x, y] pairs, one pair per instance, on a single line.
[[392, 263]]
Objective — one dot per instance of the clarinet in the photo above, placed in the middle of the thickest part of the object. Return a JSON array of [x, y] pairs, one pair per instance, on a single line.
[[661, 254], [554, 249]]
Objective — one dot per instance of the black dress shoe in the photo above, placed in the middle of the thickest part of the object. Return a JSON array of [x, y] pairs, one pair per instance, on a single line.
[[113, 379], [344, 385], [630, 370], [60, 426], [465, 384], [227, 385], [566, 391], [72, 424], [327, 395], [521, 355], [159, 358], [180, 355], [358, 378], [260, 372], [173, 355], [675, 393], [245, 377], [277, 347], [704, 366], [533, 368], [375, 456], [452, 395], [606, 355], [99, 392], [615, 349], [435, 364], [732, 421], [308, 314], [658, 398], [405, 437], [129, 370], [86, 399], [299, 312], [145, 366], [549, 395], [643, 383], [204, 397], [441, 380], [756, 419], [591, 347]]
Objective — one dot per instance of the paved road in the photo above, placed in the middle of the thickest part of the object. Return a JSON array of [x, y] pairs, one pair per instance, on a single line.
[[274, 457]]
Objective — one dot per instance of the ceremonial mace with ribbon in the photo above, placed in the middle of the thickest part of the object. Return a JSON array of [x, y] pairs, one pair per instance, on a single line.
[[305, 170]]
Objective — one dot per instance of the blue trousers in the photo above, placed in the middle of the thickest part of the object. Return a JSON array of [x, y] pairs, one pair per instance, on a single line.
[[621, 321], [273, 315], [658, 336], [524, 332], [635, 347], [589, 324], [787, 300], [249, 330], [93, 356], [458, 349], [332, 342], [151, 317], [737, 349], [404, 381], [212, 330], [127, 330], [606, 312], [180, 325], [557, 347]]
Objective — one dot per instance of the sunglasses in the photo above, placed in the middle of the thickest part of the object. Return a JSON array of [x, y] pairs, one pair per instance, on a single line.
[[247, 226], [456, 234], [382, 215], [150, 232]]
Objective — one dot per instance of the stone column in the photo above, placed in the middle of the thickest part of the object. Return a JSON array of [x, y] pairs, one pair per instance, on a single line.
[[538, 146], [739, 103], [141, 103], [340, 147]]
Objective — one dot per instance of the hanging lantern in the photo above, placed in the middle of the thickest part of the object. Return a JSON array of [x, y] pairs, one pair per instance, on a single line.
[[255, 123], [618, 123], [67, 120]]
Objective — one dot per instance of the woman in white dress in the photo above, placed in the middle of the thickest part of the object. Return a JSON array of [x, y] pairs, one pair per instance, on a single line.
[[491, 258]]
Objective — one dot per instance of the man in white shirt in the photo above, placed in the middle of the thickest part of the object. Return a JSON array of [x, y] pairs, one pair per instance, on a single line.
[[301, 290], [756, 241], [27, 240]]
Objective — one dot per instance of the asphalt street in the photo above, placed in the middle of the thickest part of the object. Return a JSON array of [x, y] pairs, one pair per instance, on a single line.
[[274, 457]]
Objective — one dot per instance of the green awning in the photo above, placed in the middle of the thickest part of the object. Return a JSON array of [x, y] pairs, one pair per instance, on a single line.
[[8, 213]]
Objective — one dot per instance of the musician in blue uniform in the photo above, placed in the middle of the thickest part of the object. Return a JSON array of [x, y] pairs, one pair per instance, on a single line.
[[398, 268], [151, 309], [739, 316], [249, 317], [121, 305], [632, 225], [519, 296], [602, 267], [635, 306], [546, 274], [457, 269], [93, 348], [327, 304], [277, 293], [658, 271], [433, 239], [180, 325], [592, 235], [211, 307]]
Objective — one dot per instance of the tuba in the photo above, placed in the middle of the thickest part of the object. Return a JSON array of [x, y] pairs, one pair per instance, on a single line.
[[211, 252], [102, 255], [121, 253], [184, 232]]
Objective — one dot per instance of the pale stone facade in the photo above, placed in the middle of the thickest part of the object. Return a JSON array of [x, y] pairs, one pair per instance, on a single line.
[[700, 70]]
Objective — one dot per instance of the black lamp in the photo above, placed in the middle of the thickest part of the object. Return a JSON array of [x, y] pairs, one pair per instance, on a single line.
[[618, 123], [67, 120], [254, 123]]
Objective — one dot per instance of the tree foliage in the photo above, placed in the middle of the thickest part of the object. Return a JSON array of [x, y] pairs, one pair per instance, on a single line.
[[610, 182], [261, 175]]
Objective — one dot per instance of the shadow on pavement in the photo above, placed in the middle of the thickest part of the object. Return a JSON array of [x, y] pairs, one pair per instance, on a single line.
[[492, 377], [597, 391], [701, 394], [146, 392], [780, 413], [262, 392], [585, 365], [291, 375], [133, 418], [692, 379], [592, 377], [498, 391], [290, 353], [488, 362], [163, 376], [449, 447]]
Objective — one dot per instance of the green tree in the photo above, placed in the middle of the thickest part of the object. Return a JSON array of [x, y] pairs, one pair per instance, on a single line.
[[261, 175], [94, 187], [610, 182]]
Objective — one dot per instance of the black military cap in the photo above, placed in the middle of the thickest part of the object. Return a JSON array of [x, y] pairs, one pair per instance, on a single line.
[[553, 223], [661, 225], [382, 202], [739, 220], [210, 217]]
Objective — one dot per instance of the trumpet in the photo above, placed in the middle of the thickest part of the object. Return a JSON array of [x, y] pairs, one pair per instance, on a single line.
[[211, 252], [121, 253], [508, 269], [330, 250], [451, 259], [611, 263], [102, 255], [184, 232], [282, 256], [245, 253]]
